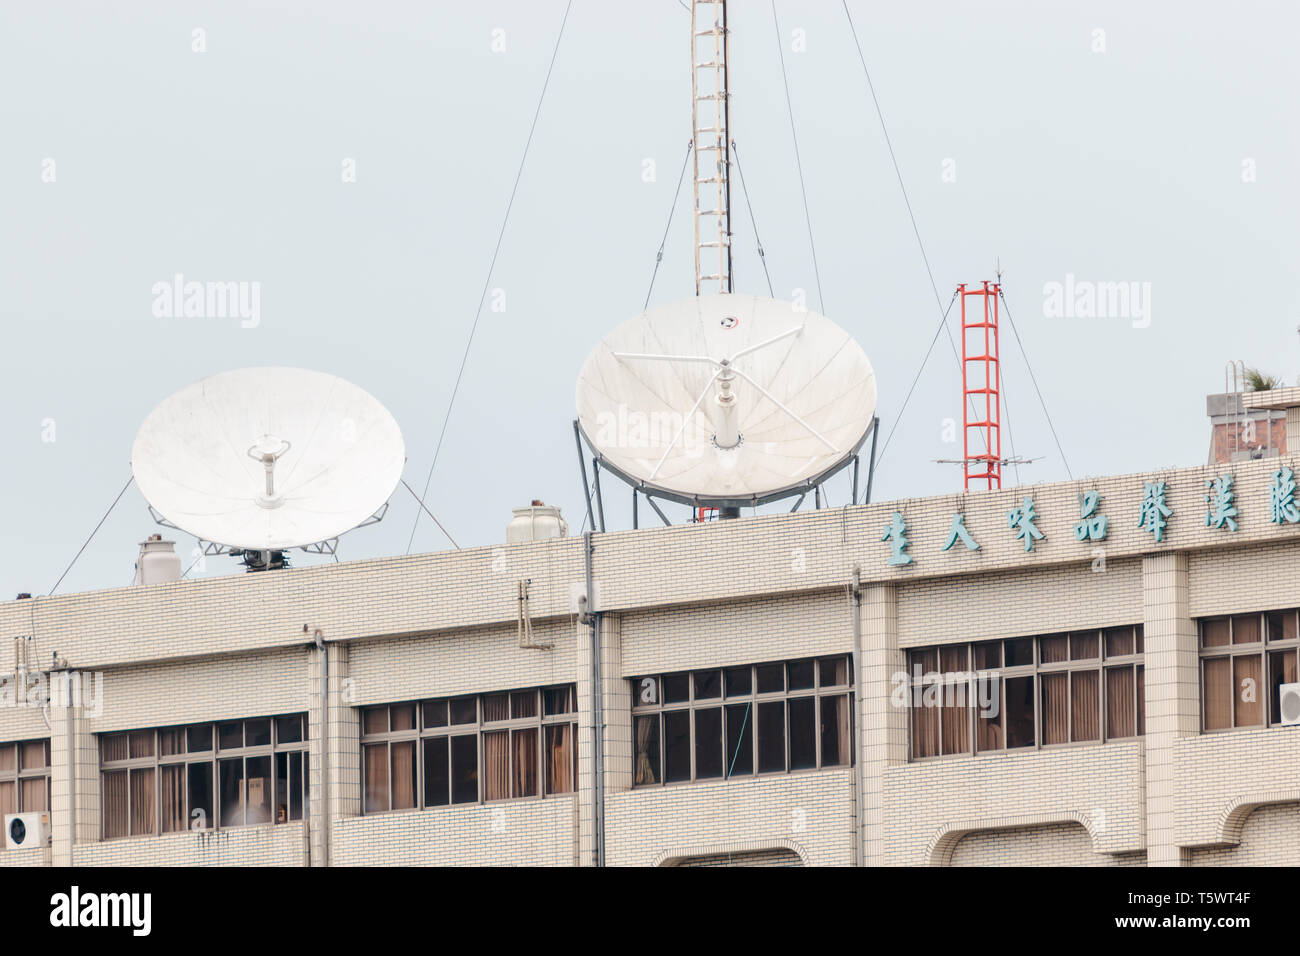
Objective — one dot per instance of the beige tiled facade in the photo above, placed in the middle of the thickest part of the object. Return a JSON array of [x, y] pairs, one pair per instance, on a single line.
[[773, 588]]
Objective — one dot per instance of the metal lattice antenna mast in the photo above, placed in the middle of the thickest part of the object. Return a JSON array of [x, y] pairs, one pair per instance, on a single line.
[[710, 121]]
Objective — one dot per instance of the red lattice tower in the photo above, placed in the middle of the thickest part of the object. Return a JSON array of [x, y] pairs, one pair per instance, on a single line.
[[981, 385]]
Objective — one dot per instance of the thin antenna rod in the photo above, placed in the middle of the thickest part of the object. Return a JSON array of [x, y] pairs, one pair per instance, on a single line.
[[709, 43]]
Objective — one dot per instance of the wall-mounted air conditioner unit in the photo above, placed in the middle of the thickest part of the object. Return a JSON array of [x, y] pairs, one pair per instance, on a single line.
[[24, 830], [1288, 698]]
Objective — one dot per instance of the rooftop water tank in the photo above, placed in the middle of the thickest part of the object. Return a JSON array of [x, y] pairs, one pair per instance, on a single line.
[[158, 561], [537, 522]]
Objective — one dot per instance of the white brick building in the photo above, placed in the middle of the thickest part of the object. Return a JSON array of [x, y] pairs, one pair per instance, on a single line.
[[1151, 734]]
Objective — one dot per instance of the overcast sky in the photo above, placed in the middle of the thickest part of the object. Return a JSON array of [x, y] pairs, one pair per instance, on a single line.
[[1112, 142]]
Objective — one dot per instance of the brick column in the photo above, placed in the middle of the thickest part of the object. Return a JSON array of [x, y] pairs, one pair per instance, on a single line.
[[74, 765], [340, 759], [882, 734], [586, 784], [1172, 695]]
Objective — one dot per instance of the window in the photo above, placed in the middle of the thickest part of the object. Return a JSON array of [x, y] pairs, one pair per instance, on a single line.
[[24, 779], [1245, 659], [737, 721], [205, 776], [504, 746], [1028, 692]]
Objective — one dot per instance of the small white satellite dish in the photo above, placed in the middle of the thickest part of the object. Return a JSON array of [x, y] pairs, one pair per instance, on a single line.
[[264, 459], [726, 399]]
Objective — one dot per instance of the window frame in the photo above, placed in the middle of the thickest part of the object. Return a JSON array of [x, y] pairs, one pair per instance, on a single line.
[[1035, 669], [213, 757], [1263, 649], [480, 727], [21, 773], [818, 692]]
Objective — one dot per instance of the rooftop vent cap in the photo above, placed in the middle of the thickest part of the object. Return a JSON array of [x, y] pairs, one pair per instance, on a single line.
[[538, 522], [158, 561]]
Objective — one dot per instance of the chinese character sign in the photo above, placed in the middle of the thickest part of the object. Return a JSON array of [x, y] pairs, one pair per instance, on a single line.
[[1022, 520], [1221, 503], [1281, 497], [1154, 510], [896, 535], [958, 530], [1092, 526]]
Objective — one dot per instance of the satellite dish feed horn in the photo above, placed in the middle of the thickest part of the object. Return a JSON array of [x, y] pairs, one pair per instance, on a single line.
[[258, 452]]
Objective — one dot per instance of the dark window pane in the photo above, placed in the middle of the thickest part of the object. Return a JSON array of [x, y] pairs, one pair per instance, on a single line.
[[837, 738], [801, 675], [740, 739], [437, 774], [834, 671], [112, 747], [464, 710], [496, 707], [803, 733], [1121, 710], [1216, 692], [708, 685], [9, 753], [201, 815], [1020, 711], [282, 791], [927, 661], [288, 730], [988, 713], [646, 739], [523, 704], [738, 680], [464, 768], [523, 762], [142, 744], [988, 654], [496, 765], [1214, 632], [1054, 649], [952, 659], [645, 692], [1085, 705], [258, 787], [403, 774], [1055, 691], [171, 741], [401, 717], [171, 803], [1245, 630], [557, 700], [257, 733], [375, 793], [771, 736], [232, 792], [142, 800], [1137, 633], [1019, 652], [1248, 679], [708, 743], [771, 678], [35, 754], [199, 738], [34, 794], [435, 713], [113, 800], [230, 736], [297, 784], [677, 688], [374, 720], [1084, 646], [1119, 641], [677, 746], [1141, 693], [559, 758]]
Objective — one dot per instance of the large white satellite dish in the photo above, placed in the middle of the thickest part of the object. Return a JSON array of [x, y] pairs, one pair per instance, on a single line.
[[725, 400], [264, 459]]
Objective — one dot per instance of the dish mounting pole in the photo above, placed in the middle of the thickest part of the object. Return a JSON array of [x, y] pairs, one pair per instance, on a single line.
[[711, 138]]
